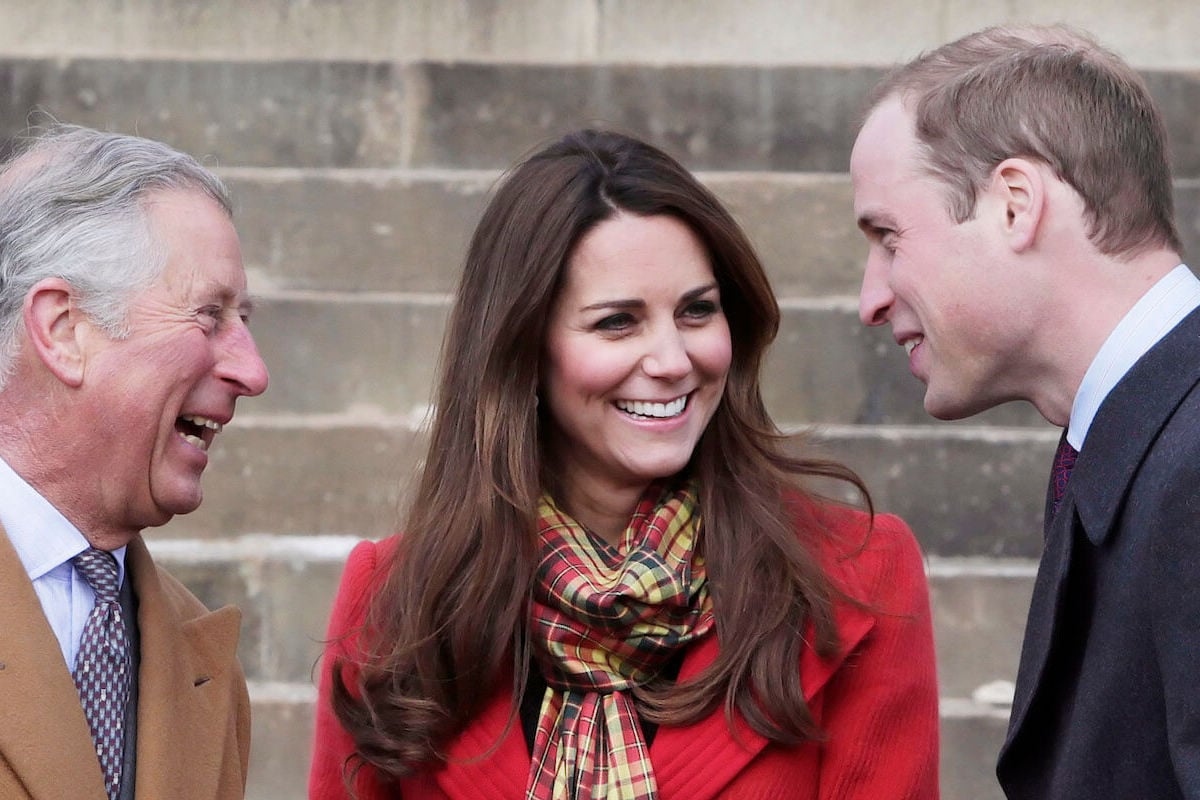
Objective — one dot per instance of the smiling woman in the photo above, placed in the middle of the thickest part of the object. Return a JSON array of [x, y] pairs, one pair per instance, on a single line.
[[636, 354], [609, 545]]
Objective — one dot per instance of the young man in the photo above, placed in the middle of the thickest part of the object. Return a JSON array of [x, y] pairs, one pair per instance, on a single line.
[[1014, 190]]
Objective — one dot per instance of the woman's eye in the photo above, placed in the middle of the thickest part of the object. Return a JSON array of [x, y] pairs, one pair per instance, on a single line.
[[700, 309], [615, 322]]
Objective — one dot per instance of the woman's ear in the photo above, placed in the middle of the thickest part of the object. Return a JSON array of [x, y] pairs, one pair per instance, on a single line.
[[52, 327], [1018, 185]]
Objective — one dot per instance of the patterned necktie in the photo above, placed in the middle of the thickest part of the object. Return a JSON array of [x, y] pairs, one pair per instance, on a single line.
[[1064, 462], [102, 665]]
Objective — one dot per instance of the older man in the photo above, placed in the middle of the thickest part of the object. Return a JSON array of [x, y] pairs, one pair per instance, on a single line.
[[1014, 191], [123, 349]]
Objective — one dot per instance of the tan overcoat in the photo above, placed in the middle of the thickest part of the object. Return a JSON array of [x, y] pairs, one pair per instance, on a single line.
[[193, 734]]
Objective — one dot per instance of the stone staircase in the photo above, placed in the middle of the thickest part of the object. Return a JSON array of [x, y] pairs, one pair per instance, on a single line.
[[360, 139]]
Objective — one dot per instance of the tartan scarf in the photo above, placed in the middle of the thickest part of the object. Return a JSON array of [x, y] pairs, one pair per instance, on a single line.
[[606, 619]]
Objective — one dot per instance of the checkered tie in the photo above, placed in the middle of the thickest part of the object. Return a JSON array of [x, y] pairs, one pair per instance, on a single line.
[[102, 666], [1064, 462]]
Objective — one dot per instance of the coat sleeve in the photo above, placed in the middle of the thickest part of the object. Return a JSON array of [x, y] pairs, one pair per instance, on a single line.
[[332, 744], [881, 710]]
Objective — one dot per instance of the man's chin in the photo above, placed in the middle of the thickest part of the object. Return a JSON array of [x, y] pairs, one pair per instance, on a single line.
[[175, 504], [948, 409]]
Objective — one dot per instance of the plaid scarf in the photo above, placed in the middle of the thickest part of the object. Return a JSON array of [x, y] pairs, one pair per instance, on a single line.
[[605, 619]]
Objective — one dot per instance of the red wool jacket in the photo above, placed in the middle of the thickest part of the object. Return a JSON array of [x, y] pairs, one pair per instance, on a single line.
[[876, 701]]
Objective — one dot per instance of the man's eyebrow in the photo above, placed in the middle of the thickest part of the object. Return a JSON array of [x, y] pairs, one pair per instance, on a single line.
[[870, 221], [229, 297]]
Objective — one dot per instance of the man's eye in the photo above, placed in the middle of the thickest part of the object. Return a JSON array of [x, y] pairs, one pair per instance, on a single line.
[[210, 316], [887, 240]]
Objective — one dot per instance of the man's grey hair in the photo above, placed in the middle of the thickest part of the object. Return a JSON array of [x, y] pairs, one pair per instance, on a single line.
[[73, 206]]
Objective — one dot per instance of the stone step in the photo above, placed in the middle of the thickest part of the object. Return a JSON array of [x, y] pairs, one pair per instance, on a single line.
[[965, 490], [408, 230], [285, 587], [979, 607], [971, 736], [1152, 33], [979, 611], [825, 366], [305, 475], [281, 733], [480, 115], [281, 742]]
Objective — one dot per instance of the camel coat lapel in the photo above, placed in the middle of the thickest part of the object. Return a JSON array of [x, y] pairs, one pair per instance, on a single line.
[[193, 711], [189, 685], [46, 750]]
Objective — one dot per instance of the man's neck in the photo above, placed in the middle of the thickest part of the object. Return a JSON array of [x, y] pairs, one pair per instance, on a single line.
[[1097, 295]]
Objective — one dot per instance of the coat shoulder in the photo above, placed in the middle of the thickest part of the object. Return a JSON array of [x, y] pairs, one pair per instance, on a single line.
[[871, 557]]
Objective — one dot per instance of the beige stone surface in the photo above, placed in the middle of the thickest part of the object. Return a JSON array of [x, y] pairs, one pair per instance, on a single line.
[[979, 610], [481, 116], [373, 30], [974, 604], [1158, 33], [307, 475], [368, 230], [361, 138], [377, 354], [280, 744], [965, 490]]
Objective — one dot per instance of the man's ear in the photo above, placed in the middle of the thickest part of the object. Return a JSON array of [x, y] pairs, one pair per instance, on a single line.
[[1019, 187], [52, 326]]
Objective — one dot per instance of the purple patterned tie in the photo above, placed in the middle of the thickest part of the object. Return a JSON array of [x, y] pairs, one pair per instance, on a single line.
[[1064, 462], [102, 665]]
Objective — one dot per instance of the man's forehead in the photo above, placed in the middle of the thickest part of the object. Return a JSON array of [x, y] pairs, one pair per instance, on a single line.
[[226, 290], [887, 156], [888, 129]]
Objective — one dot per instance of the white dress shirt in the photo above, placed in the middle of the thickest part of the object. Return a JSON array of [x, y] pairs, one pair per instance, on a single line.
[[1169, 300], [46, 542]]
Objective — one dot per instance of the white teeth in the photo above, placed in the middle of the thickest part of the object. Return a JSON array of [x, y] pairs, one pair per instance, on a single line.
[[655, 410], [911, 344], [200, 422], [203, 422], [195, 441]]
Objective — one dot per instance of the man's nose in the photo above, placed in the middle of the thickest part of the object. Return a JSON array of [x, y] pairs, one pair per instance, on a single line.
[[241, 364], [875, 298]]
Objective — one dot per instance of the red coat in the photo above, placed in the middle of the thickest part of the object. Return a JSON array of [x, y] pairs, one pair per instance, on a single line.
[[877, 702]]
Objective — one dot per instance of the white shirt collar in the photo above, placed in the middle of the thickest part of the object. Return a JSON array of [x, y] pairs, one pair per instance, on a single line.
[[1169, 300], [43, 538]]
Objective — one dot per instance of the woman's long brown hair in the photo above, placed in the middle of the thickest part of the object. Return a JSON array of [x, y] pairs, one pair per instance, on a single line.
[[449, 615]]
